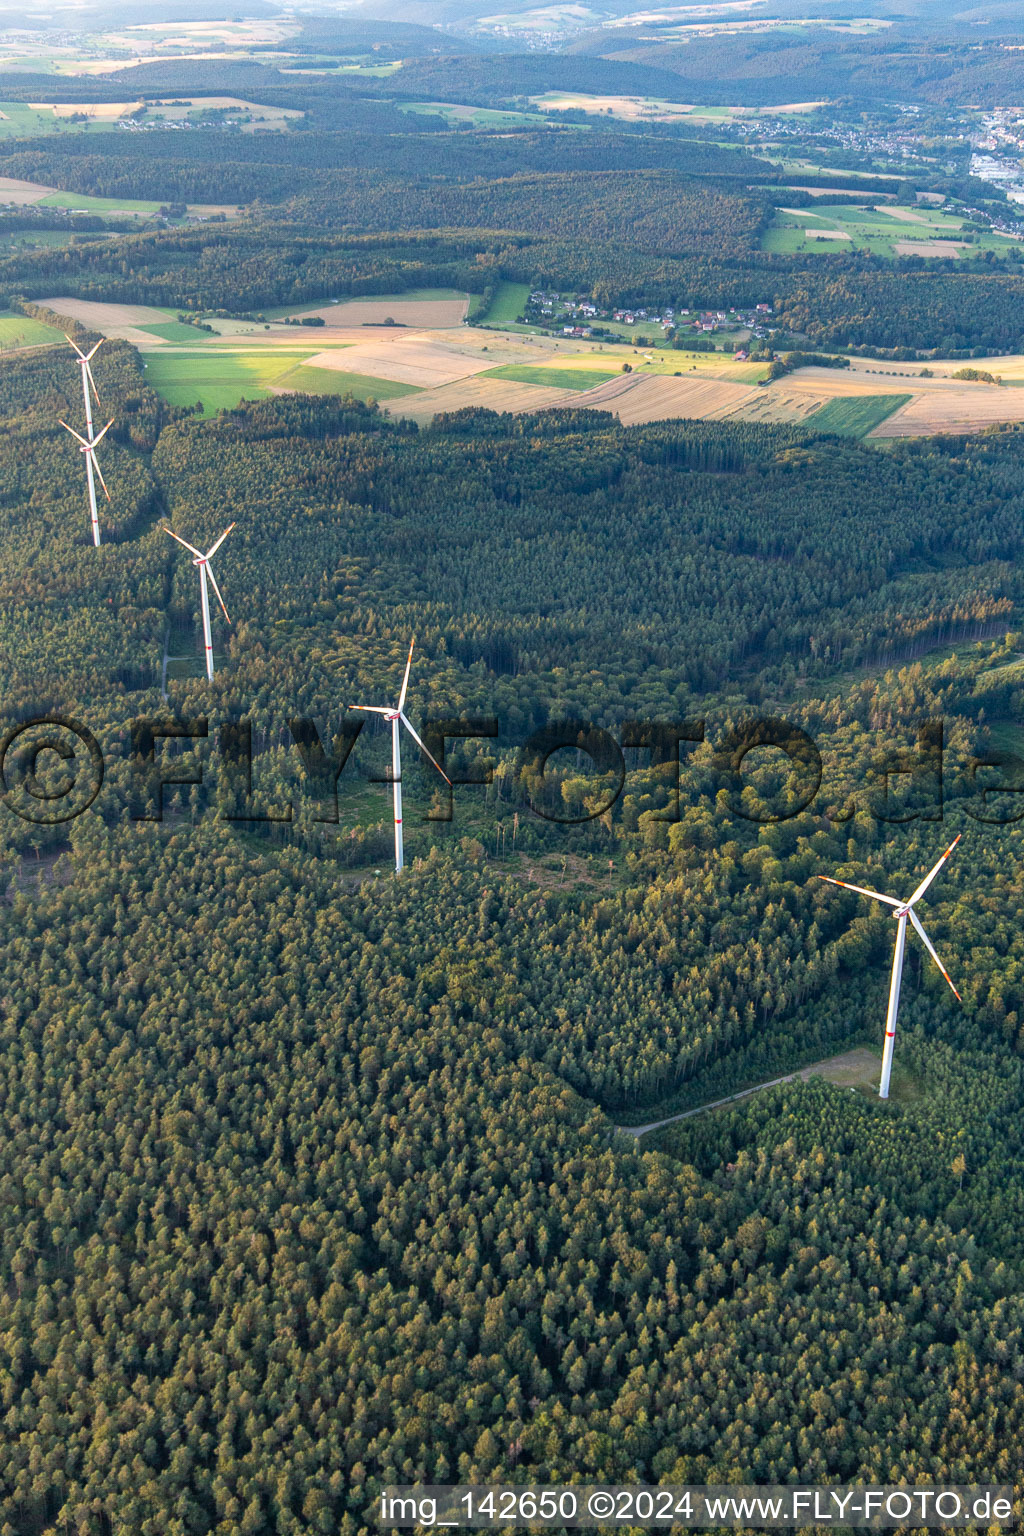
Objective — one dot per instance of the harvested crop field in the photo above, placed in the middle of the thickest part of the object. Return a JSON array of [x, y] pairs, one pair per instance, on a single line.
[[652, 397], [111, 319], [413, 360], [929, 247], [22, 193], [489, 394], [423, 314], [558, 378], [969, 408], [826, 383], [103, 111], [779, 405], [905, 215]]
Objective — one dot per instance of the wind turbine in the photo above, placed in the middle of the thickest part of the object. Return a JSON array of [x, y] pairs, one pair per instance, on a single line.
[[396, 714], [91, 465], [903, 910], [205, 570]]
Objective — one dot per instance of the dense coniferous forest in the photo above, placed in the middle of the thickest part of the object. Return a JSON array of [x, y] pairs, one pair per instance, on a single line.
[[779, 67], [319, 1179]]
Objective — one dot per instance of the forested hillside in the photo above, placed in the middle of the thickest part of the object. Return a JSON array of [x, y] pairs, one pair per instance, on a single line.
[[779, 66], [312, 1179], [634, 214]]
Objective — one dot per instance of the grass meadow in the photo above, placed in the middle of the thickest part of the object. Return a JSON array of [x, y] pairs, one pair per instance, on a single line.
[[855, 415], [19, 331], [220, 378]]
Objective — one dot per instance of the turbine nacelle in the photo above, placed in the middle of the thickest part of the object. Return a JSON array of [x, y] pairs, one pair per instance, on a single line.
[[88, 443], [900, 908], [88, 447], [85, 359]]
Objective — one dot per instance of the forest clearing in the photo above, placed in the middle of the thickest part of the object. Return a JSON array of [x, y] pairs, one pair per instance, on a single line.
[[850, 1069], [883, 229]]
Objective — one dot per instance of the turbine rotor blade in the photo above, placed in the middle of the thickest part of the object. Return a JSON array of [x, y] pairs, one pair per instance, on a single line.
[[96, 467], [371, 709], [211, 552], [930, 876], [101, 435], [81, 439], [405, 680], [861, 891], [74, 344], [213, 581], [926, 941], [90, 355], [92, 381], [184, 543], [423, 749]]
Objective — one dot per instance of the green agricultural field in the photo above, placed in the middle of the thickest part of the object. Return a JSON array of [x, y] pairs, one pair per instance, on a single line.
[[85, 204], [410, 296], [219, 378], [666, 361], [880, 231], [508, 303], [18, 121], [20, 331], [855, 415], [618, 330], [30, 239], [173, 330], [330, 381], [553, 378], [479, 117], [789, 233], [359, 68]]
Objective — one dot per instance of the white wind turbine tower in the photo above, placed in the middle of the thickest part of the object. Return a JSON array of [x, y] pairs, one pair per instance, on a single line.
[[88, 390], [92, 470], [205, 570], [903, 910], [396, 715]]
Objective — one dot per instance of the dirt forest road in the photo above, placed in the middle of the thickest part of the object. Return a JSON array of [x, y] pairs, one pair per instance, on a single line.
[[850, 1069]]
